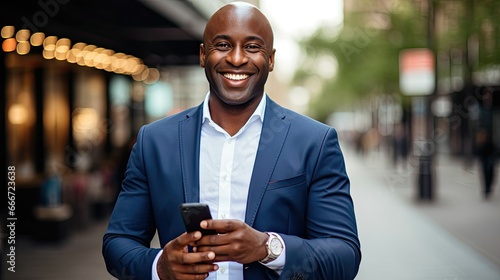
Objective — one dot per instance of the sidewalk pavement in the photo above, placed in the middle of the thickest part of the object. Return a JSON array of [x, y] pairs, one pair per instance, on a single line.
[[455, 237], [77, 258]]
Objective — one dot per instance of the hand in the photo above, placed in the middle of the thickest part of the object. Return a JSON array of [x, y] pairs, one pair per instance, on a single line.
[[177, 263], [236, 241]]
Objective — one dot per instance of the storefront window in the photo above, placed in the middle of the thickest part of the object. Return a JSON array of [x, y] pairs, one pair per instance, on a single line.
[[21, 117]]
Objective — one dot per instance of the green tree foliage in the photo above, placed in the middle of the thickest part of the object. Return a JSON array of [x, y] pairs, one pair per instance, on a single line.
[[367, 47], [486, 26], [367, 54]]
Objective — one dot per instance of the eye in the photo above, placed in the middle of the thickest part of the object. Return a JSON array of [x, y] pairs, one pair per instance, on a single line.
[[252, 47], [223, 46]]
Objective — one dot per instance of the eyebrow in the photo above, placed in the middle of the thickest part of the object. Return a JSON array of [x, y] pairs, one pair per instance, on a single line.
[[249, 38], [223, 37]]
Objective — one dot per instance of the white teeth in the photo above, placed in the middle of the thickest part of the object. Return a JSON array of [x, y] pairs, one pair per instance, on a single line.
[[237, 77]]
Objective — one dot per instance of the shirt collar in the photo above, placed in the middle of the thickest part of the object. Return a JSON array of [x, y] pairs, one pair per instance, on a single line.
[[258, 113]]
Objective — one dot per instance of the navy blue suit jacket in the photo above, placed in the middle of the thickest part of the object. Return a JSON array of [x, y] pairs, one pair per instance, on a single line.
[[299, 189]]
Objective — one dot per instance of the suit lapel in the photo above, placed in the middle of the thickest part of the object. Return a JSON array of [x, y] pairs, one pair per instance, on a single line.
[[189, 139], [274, 132]]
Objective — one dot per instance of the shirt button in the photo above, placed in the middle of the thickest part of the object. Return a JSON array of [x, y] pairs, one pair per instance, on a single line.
[[222, 270]]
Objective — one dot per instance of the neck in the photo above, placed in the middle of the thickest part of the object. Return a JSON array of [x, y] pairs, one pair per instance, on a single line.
[[232, 117]]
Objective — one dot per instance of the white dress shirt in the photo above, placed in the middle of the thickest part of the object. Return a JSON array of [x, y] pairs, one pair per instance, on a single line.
[[226, 165]]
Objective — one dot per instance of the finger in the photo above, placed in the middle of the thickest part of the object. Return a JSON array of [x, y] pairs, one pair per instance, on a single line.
[[221, 225], [199, 268], [219, 250], [214, 240], [191, 271], [184, 240], [193, 258]]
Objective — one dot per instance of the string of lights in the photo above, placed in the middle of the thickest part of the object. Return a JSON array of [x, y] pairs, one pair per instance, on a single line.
[[79, 53]]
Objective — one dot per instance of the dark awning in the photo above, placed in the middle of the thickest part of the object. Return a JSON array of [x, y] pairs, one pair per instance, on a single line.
[[160, 32]]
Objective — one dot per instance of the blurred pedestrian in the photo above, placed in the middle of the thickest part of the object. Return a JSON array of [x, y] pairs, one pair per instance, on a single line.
[[400, 151], [485, 150]]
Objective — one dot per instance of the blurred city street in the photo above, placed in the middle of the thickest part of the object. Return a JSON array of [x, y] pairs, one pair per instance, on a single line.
[[455, 237]]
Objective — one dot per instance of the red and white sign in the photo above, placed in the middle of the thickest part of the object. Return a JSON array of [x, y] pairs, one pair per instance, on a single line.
[[416, 72]]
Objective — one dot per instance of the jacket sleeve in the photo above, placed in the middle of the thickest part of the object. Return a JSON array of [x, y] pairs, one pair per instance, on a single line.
[[131, 227], [331, 249]]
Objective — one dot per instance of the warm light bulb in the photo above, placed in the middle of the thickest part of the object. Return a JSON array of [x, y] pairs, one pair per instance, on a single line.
[[37, 39], [18, 114], [49, 43], [47, 54], [153, 76], [7, 31], [9, 45], [23, 47], [23, 35]]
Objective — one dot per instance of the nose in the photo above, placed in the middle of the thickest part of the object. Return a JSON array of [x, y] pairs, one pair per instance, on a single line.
[[237, 56]]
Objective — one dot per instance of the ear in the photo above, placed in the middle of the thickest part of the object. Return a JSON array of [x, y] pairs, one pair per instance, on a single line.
[[271, 60], [202, 55]]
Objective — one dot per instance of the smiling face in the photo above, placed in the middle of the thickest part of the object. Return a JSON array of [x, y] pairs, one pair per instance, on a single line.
[[237, 54]]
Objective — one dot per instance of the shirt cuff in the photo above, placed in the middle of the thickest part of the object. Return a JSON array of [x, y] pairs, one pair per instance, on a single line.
[[279, 263], [154, 272]]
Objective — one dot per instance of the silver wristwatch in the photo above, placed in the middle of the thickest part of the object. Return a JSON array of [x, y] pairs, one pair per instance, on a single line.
[[274, 248]]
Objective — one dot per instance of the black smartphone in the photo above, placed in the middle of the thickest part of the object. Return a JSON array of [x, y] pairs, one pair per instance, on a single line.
[[193, 214]]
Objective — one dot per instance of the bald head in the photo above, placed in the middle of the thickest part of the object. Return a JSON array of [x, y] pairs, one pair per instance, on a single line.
[[239, 13], [237, 54]]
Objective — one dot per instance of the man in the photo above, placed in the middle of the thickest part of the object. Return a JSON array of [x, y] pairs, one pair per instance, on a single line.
[[275, 181]]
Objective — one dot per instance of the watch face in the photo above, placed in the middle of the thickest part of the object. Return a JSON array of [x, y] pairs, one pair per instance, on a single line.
[[275, 246]]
